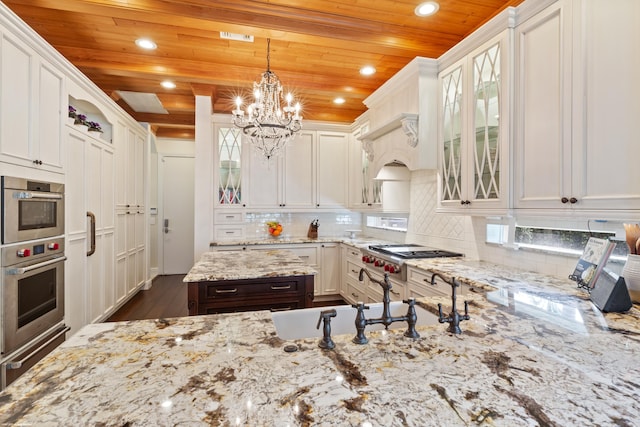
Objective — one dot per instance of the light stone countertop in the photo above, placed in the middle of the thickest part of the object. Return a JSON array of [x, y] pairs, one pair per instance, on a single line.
[[236, 265], [281, 240], [535, 352]]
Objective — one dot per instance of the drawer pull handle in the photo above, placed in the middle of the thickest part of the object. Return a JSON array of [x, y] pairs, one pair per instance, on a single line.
[[353, 294], [354, 271], [229, 217], [394, 292], [304, 256], [276, 288], [429, 282], [281, 309], [226, 291]]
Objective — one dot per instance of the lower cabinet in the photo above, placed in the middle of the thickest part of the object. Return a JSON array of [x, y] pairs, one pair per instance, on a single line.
[[419, 285], [228, 296], [353, 290]]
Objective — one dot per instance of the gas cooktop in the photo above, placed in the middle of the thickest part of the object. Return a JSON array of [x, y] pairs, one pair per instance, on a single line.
[[412, 251]]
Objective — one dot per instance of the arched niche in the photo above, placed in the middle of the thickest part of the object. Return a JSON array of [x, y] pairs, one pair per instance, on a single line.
[[94, 114]]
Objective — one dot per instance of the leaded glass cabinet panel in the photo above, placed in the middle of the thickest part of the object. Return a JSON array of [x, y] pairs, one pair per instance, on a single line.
[[487, 96], [451, 139], [229, 166]]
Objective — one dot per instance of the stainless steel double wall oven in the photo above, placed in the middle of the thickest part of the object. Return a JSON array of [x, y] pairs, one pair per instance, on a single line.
[[32, 256]]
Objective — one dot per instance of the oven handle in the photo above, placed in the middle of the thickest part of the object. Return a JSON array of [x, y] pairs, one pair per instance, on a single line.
[[92, 216], [23, 270], [18, 363], [36, 195]]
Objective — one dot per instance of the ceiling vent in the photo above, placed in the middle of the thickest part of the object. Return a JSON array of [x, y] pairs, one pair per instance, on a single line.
[[142, 102], [237, 37]]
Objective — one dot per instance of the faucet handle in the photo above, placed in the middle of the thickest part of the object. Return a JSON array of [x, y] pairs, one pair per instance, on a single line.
[[360, 306]]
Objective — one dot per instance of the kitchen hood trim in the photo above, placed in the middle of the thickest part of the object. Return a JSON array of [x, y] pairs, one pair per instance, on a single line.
[[408, 122]]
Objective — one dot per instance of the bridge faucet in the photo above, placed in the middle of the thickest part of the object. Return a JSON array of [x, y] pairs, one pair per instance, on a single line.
[[386, 319], [454, 318]]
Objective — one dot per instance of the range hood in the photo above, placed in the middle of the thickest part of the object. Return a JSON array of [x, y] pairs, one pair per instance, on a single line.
[[396, 182], [394, 171]]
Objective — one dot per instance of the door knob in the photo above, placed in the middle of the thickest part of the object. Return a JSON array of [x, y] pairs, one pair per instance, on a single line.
[[166, 226]]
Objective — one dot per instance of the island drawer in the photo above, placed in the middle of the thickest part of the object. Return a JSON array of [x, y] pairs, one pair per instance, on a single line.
[[236, 288]]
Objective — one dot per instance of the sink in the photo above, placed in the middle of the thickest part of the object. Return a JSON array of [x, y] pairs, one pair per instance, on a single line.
[[298, 324]]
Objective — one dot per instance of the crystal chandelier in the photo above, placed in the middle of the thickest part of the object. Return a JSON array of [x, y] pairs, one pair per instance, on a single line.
[[268, 126]]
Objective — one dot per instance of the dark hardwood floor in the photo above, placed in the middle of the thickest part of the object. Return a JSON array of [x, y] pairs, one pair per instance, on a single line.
[[166, 298]]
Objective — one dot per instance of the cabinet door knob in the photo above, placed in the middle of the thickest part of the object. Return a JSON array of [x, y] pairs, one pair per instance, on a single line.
[[573, 200]]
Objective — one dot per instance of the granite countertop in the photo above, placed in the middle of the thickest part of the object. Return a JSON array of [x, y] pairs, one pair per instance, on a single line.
[[235, 265], [285, 240], [535, 352]]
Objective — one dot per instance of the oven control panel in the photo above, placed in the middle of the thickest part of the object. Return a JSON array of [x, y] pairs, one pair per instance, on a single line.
[[33, 250]]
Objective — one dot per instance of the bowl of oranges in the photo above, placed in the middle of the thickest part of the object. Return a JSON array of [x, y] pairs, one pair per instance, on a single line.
[[275, 228]]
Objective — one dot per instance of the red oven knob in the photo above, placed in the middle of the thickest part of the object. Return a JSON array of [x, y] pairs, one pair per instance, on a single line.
[[365, 259], [22, 253], [391, 269], [53, 246], [379, 263]]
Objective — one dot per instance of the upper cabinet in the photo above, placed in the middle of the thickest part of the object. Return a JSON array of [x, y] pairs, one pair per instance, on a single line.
[[474, 130], [32, 107], [577, 102], [310, 174]]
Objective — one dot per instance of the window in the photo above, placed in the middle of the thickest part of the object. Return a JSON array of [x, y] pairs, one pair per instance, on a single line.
[[553, 235], [388, 223]]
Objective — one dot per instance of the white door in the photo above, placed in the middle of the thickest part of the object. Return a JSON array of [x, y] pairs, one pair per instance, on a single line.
[[176, 226]]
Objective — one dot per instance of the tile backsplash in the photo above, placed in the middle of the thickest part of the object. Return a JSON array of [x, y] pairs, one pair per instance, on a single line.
[[297, 224]]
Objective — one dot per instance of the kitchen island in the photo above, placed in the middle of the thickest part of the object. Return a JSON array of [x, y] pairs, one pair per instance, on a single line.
[[535, 352], [231, 281]]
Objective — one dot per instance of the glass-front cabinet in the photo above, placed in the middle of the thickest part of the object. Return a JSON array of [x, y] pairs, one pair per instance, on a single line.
[[366, 192], [473, 131], [229, 167]]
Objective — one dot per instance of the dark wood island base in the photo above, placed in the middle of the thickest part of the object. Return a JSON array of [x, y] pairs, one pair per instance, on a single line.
[[264, 293]]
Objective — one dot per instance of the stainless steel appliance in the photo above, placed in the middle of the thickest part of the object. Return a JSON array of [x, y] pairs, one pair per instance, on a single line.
[[391, 258], [32, 291], [31, 209]]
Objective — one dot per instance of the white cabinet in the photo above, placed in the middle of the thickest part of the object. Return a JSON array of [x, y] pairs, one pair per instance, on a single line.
[[310, 174], [352, 289], [90, 283], [131, 262], [32, 107], [578, 100], [474, 130], [419, 285], [330, 271], [333, 160], [286, 181]]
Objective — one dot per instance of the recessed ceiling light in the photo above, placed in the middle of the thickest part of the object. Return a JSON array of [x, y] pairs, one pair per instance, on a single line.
[[367, 70], [338, 101], [146, 44], [168, 84], [427, 8]]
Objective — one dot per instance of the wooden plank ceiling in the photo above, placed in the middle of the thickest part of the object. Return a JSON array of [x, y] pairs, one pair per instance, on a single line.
[[317, 47]]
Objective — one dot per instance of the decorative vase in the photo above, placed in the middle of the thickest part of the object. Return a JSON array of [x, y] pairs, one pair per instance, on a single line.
[[631, 274]]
